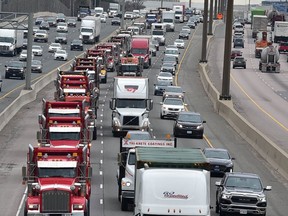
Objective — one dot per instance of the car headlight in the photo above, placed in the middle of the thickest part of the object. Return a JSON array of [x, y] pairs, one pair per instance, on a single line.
[[226, 196], [165, 108], [156, 87], [199, 127], [262, 198], [179, 125]]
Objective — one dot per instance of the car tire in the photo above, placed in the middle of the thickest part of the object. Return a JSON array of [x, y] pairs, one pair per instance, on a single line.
[[222, 213], [6, 76], [244, 67], [161, 116], [233, 67]]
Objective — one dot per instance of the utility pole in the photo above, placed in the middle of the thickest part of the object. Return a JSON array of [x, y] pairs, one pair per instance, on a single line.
[[123, 12], [215, 9], [211, 17], [29, 51], [189, 4], [161, 4], [204, 34], [225, 95]]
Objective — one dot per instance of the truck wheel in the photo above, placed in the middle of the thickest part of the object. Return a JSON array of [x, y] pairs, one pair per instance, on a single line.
[[105, 80], [217, 208], [87, 210], [119, 191], [6, 76], [124, 204]]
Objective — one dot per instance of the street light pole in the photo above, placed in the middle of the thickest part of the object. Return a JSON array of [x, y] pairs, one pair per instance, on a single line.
[[29, 52]]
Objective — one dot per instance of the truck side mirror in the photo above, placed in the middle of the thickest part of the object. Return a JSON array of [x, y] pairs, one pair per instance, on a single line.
[[24, 171], [40, 119], [39, 136], [113, 104], [149, 105]]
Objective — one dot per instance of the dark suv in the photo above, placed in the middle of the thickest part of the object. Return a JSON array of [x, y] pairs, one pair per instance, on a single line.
[[15, 69], [241, 193], [239, 61], [238, 42]]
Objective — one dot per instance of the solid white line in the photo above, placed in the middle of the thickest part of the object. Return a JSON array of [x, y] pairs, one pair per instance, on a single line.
[[22, 202], [101, 201]]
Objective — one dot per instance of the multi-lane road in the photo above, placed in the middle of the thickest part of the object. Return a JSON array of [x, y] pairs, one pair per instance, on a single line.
[[21, 131]]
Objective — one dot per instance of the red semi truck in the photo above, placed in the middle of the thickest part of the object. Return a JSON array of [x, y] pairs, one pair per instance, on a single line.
[[58, 181], [140, 48]]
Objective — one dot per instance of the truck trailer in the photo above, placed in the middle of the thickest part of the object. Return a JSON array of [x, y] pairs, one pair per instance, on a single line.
[[260, 23], [280, 31], [90, 29], [171, 181]]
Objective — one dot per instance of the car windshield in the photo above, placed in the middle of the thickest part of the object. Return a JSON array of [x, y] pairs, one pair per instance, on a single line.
[[168, 65], [168, 20], [55, 45], [163, 83], [169, 58], [61, 24], [61, 52], [174, 89], [157, 32], [239, 59], [244, 182], [71, 20], [238, 40], [15, 64], [172, 101], [163, 74], [76, 42], [36, 47], [189, 118], [62, 35], [151, 16], [36, 62], [171, 52], [183, 32], [217, 154], [42, 31], [179, 41]]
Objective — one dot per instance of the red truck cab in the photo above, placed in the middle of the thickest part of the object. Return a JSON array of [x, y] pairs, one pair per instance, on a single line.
[[140, 47]]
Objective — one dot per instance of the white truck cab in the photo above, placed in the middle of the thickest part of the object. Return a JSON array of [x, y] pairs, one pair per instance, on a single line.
[[158, 32]]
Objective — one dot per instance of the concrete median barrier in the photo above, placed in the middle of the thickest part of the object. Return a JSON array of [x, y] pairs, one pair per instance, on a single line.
[[261, 143]]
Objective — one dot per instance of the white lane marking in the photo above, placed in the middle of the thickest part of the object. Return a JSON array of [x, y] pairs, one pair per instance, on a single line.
[[101, 161], [100, 173], [102, 142], [101, 151], [101, 186]]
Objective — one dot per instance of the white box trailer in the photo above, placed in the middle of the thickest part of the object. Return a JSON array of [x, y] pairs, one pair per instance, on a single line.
[[171, 182], [280, 31]]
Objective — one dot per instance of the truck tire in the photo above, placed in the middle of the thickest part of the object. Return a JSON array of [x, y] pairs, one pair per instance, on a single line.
[[105, 80], [6, 76], [149, 62], [124, 204], [97, 38], [222, 213], [217, 207], [119, 191]]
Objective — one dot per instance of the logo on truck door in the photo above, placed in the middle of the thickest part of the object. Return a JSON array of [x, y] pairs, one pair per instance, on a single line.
[[131, 88], [173, 195]]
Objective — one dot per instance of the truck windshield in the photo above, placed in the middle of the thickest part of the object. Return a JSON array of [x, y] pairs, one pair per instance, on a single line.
[[129, 68], [57, 172], [168, 20], [86, 30], [157, 32], [139, 51], [151, 17], [131, 103], [64, 136], [7, 39]]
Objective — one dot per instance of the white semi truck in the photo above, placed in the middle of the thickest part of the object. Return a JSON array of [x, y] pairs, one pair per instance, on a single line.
[[130, 105], [168, 19], [11, 41], [171, 182], [90, 29], [114, 9], [126, 163], [280, 31], [158, 32]]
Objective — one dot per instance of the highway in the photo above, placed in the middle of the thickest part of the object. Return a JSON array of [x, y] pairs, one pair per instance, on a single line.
[[261, 98], [21, 131]]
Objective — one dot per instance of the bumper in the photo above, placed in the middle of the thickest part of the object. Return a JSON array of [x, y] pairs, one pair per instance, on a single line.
[[128, 194], [170, 113], [188, 132], [243, 210]]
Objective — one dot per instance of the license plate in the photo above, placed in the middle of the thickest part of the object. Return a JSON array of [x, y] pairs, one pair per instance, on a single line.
[[189, 132], [243, 211]]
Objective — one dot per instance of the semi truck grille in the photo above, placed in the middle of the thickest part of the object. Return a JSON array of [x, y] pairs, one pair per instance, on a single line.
[[86, 37], [130, 120], [241, 199], [4, 48], [55, 202]]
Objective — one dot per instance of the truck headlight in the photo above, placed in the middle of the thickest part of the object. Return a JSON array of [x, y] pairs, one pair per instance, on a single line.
[[145, 124], [127, 184], [91, 36], [226, 196], [78, 206], [33, 206], [262, 198], [116, 123], [80, 36]]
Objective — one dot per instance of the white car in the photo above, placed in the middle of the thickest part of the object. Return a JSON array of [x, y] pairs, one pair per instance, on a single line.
[[61, 55], [62, 27], [129, 15], [37, 50], [186, 28], [41, 35], [105, 14], [171, 107], [173, 52], [103, 18], [23, 55], [165, 76], [54, 47], [179, 43]]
